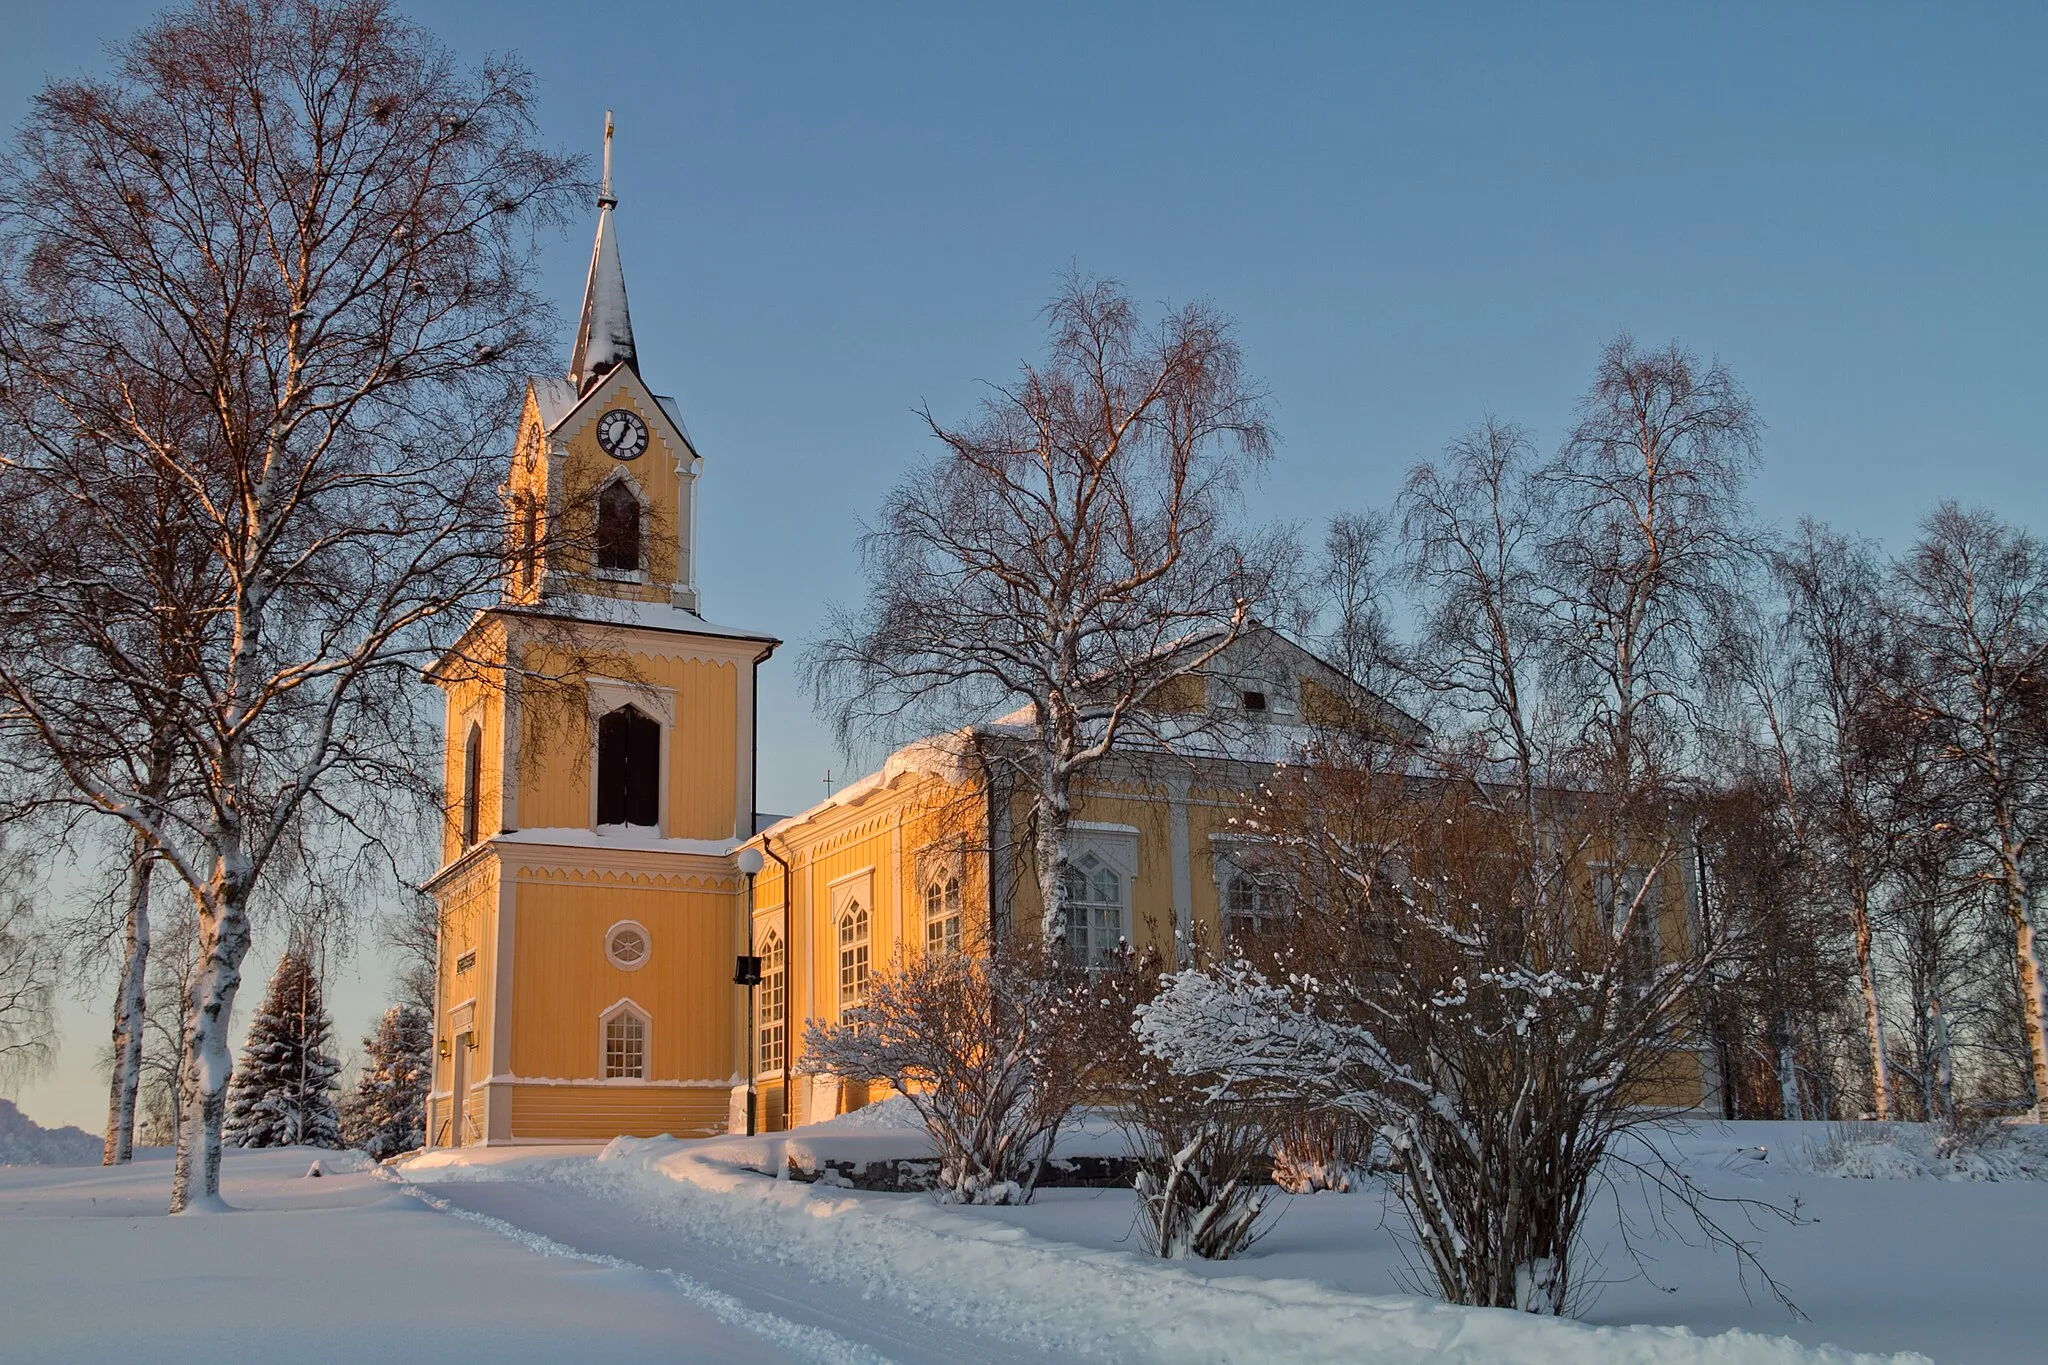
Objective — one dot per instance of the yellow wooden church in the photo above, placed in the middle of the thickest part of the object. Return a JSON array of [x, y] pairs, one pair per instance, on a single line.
[[604, 864]]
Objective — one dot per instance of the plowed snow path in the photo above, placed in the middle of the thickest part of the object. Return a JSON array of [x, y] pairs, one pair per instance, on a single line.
[[342, 1269], [778, 1290]]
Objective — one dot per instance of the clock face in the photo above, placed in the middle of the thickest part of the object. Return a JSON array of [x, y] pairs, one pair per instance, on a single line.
[[622, 434]]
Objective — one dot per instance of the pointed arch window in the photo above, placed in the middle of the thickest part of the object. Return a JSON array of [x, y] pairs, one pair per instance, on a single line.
[[774, 1002], [853, 954], [628, 768], [472, 779], [1095, 910], [942, 914], [529, 542], [625, 1042], [618, 527]]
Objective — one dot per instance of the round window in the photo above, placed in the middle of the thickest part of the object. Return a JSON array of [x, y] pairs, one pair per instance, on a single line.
[[625, 943]]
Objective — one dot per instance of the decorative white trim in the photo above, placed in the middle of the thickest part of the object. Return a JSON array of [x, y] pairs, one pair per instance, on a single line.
[[602, 1084], [625, 1004], [606, 695], [646, 941]]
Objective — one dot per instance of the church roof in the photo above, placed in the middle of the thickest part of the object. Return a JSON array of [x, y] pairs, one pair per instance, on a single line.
[[604, 336]]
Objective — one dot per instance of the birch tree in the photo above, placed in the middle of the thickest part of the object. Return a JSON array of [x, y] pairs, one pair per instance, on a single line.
[[309, 224], [1648, 519], [1066, 552], [1833, 590], [1972, 601]]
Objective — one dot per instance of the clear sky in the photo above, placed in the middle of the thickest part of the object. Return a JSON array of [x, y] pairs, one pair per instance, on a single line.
[[1418, 214]]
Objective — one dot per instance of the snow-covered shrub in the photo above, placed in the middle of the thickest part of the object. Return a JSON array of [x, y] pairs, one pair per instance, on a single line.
[[988, 1050], [1202, 1151], [386, 1113], [282, 1093], [1460, 989]]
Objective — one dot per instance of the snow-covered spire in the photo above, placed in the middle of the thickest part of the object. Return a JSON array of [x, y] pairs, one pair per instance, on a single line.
[[604, 338]]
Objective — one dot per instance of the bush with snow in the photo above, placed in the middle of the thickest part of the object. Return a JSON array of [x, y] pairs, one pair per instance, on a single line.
[[1457, 986], [984, 1048]]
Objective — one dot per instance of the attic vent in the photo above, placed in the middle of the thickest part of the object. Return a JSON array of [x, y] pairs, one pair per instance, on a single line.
[[466, 961], [1255, 701]]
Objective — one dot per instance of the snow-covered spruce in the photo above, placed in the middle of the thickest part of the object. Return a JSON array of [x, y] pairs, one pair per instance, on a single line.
[[283, 1092], [386, 1113]]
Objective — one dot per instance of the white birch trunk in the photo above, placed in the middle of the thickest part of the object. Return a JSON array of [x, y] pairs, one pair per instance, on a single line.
[[1788, 1082], [209, 1064], [1873, 1018], [130, 1006], [1049, 858]]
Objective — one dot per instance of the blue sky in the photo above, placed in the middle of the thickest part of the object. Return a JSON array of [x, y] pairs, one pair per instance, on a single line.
[[1419, 215]]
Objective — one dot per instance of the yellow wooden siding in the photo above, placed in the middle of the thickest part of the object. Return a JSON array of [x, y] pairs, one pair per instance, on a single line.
[[562, 981], [466, 906], [573, 1113], [704, 750], [472, 692], [586, 467]]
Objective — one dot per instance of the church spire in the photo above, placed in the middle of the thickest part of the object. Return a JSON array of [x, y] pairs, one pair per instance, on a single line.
[[604, 338]]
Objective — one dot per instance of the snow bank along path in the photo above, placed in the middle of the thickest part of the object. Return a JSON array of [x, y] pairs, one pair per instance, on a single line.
[[916, 1261]]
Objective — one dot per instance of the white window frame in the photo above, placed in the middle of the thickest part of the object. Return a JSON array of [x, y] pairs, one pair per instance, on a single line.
[[625, 1006], [856, 954], [1116, 846], [646, 939], [602, 696], [621, 475], [762, 1023]]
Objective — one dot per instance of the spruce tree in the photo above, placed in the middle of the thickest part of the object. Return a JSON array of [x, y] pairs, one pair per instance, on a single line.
[[386, 1113], [283, 1091]]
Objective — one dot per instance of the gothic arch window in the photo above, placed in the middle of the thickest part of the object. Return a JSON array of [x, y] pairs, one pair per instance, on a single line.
[[628, 768], [942, 914], [774, 1001], [623, 1033], [853, 954], [529, 542], [1095, 910], [472, 779], [618, 527]]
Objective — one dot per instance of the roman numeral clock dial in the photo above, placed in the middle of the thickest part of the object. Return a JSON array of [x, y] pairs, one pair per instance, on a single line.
[[622, 434]]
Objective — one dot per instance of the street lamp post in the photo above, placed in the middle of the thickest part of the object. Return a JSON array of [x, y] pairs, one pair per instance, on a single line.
[[747, 972]]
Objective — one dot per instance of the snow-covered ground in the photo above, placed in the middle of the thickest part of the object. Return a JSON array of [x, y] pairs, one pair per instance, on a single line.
[[1940, 1264], [673, 1250]]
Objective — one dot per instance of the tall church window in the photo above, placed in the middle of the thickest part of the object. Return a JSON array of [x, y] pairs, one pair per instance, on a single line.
[[628, 768], [625, 1043], [529, 542], [618, 528], [774, 1001], [1095, 910], [853, 954], [942, 914], [472, 779]]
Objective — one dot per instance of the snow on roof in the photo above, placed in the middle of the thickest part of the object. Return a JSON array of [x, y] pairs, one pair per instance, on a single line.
[[621, 837], [615, 611], [604, 338], [557, 399], [944, 756]]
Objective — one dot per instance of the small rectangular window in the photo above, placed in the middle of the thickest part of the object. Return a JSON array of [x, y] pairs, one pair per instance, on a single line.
[[1254, 701]]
